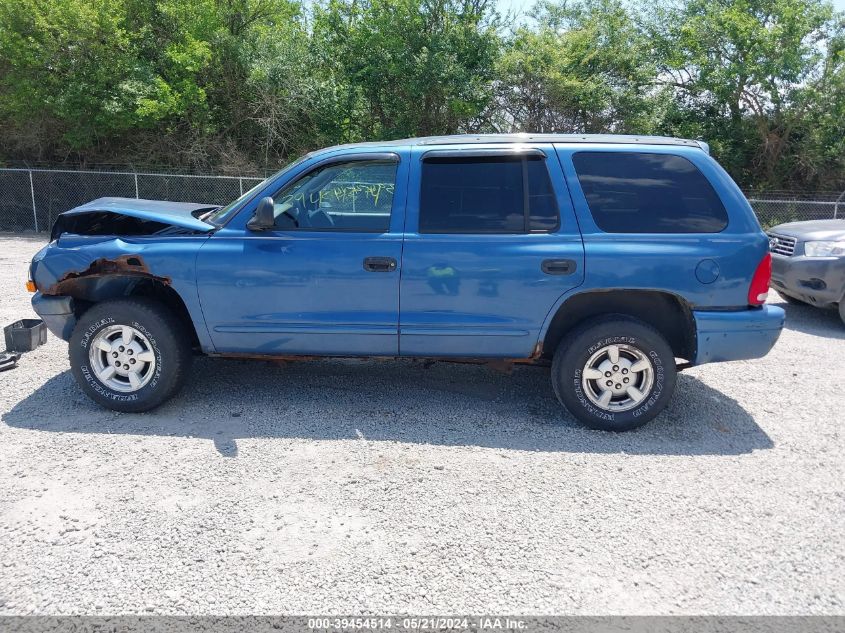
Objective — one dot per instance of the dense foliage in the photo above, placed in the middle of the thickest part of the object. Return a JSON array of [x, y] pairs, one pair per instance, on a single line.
[[244, 85]]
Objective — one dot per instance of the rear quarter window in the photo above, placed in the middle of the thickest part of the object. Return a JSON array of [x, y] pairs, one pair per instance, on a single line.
[[640, 192]]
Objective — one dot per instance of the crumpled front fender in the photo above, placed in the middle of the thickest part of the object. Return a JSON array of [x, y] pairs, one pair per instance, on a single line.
[[89, 269]]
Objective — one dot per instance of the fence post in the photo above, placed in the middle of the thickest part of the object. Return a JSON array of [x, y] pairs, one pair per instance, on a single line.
[[836, 205], [136, 186], [32, 193], [241, 185]]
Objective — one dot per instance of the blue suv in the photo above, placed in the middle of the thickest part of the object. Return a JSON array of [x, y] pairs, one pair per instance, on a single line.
[[616, 260]]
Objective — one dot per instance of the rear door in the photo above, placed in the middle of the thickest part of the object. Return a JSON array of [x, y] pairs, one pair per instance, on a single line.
[[491, 244]]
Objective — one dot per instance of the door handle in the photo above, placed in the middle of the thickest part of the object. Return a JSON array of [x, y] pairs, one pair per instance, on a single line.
[[379, 264], [558, 266]]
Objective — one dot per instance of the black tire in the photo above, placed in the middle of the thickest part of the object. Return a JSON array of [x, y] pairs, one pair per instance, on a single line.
[[165, 335], [842, 310], [579, 345]]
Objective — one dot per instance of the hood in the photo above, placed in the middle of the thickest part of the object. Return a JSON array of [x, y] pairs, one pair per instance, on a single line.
[[812, 230], [130, 216]]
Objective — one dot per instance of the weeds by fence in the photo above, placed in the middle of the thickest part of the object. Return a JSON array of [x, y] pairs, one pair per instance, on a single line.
[[30, 199]]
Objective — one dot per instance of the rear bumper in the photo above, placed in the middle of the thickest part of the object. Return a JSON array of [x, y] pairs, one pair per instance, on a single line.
[[736, 334], [816, 280], [57, 314]]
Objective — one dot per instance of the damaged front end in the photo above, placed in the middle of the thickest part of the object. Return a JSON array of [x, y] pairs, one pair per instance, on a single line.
[[111, 248], [132, 217]]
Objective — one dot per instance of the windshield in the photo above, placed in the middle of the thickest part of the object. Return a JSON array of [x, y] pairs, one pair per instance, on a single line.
[[221, 215]]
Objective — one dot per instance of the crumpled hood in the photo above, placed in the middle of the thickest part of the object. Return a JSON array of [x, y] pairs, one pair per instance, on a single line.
[[813, 230], [179, 214]]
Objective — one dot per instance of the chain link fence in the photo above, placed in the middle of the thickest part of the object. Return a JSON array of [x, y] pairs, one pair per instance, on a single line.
[[30, 199], [777, 207]]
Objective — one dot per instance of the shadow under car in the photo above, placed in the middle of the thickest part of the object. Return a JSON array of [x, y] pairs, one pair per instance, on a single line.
[[407, 401]]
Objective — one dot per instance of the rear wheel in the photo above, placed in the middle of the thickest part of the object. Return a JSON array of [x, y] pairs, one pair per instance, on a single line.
[[614, 374], [129, 354]]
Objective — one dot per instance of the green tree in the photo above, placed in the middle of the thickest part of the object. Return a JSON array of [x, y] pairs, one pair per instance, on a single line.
[[584, 67], [409, 67], [67, 73], [746, 74]]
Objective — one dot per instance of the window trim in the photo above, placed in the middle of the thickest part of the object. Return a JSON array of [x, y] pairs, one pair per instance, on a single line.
[[727, 215], [391, 157], [483, 152], [524, 154]]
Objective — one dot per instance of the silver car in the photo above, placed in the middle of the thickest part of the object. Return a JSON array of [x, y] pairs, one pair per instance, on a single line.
[[808, 262]]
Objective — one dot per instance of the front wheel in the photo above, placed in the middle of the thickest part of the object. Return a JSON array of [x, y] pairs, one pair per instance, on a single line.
[[129, 354], [614, 374]]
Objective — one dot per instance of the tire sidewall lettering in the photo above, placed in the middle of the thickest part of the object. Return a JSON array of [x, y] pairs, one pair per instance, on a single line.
[[156, 350], [92, 329], [657, 387], [585, 403]]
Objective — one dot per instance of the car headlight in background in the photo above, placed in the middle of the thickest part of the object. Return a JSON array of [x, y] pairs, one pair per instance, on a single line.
[[824, 249]]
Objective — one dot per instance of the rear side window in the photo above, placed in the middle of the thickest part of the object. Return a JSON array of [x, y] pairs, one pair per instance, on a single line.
[[637, 192], [487, 194]]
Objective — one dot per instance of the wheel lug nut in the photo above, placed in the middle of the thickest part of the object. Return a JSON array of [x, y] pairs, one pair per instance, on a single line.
[[624, 371], [126, 366], [618, 386], [615, 367], [114, 354], [606, 374], [609, 383], [129, 351], [132, 362], [121, 348], [625, 380]]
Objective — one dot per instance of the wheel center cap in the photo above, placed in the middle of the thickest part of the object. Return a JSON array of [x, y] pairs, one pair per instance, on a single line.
[[122, 357], [617, 376]]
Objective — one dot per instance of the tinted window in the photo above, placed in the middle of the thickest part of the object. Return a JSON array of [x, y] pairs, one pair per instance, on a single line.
[[350, 196], [494, 194], [630, 192]]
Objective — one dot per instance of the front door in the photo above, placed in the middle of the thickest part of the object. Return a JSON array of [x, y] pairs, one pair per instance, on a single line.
[[491, 245], [325, 279]]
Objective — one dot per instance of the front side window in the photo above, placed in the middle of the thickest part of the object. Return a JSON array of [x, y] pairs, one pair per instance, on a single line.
[[487, 194], [345, 196], [638, 192]]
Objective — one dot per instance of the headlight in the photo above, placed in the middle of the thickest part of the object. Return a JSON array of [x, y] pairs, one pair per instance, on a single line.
[[30, 284], [824, 249]]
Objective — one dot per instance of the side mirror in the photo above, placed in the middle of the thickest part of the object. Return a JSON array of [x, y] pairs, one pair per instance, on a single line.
[[263, 218]]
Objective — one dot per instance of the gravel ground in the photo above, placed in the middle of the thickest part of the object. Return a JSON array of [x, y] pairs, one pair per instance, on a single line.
[[356, 487]]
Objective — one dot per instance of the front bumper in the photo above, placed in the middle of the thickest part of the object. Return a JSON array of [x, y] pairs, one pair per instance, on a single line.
[[736, 334], [816, 280], [57, 314]]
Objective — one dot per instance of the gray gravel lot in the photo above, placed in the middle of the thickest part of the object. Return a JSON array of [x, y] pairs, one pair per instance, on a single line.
[[353, 487]]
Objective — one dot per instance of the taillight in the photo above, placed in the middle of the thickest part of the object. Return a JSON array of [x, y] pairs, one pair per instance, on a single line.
[[759, 288]]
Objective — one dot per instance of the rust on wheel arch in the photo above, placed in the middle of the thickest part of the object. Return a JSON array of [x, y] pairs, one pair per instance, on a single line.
[[124, 266]]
